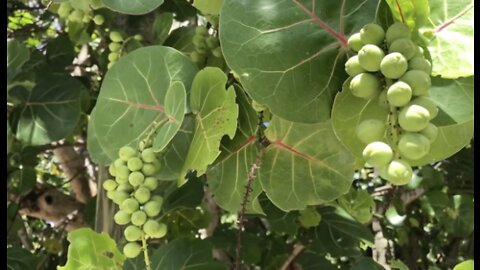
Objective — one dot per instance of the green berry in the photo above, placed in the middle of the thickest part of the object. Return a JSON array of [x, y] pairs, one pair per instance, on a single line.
[[136, 179], [217, 52], [418, 80], [413, 146], [420, 63], [112, 170], [398, 172], [149, 169], [114, 46], [211, 42], [353, 67], [196, 57], [396, 31], [132, 250], [122, 171], [201, 30], [142, 194], [161, 232], [393, 65], [138, 37], [152, 208], [120, 196], [148, 155], [355, 42], [151, 183], [370, 130], [76, 16], [372, 34], [365, 85], [109, 185], [119, 162], [86, 18], [404, 46], [115, 36], [157, 198], [431, 132], [138, 218], [377, 153], [399, 94], [132, 233], [121, 217], [130, 205], [64, 10], [151, 227], [111, 194], [125, 187], [121, 180], [428, 104], [370, 56], [126, 152], [413, 118], [113, 56], [134, 164]]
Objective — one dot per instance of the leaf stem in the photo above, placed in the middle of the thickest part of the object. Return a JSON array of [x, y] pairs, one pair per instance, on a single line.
[[393, 124], [145, 253]]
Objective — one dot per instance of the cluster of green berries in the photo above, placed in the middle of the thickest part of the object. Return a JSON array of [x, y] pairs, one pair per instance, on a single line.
[[116, 46], [68, 12], [131, 190], [204, 44], [389, 65]]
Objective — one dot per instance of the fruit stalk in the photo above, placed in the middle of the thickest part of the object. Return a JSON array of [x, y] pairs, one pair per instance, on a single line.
[[145, 253], [393, 123]]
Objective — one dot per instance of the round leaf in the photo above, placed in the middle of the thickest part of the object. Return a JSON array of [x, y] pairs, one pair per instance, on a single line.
[[137, 7]]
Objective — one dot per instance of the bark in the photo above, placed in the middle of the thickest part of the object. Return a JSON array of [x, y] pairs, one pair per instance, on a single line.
[[73, 166], [50, 204], [105, 210]]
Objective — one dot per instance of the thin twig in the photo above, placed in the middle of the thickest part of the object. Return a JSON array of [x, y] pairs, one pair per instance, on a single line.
[[296, 251]]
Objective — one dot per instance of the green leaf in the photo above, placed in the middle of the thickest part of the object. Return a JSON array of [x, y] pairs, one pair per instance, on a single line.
[[366, 263], [313, 261], [9, 138], [185, 222], [464, 221], [348, 112], [22, 181], [189, 195], [137, 7], [77, 32], [398, 264], [142, 93], [161, 27], [174, 156], [17, 55], [182, 10], [185, 254], [295, 80], [60, 53], [305, 164], [210, 7], [359, 204], [50, 111], [411, 12], [181, 39], [340, 235], [216, 115], [280, 222], [137, 263], [19, 259], [228, 177], [466, 265], [90, 250], [449, 36]]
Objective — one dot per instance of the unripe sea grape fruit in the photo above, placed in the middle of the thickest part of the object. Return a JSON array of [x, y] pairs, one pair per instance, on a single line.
[[399, 94], [126, 152], [132, 233], [397, 172], [431, 132], [136, 179], [418, 80], [370, 130], [119, 162], [120, 196], [199, 41], [114, 46], [98, 19], [113, 56], [211, 42], [112, 170], [149, 169], [125, 187], [161, 232], [396, 31], [157, 198], [201, 30], [151, 227], [353, 67], [365, 85], [151, 183], [420, 63], [115, 36], [109, 185], [355, 42], [427, 103], [404, 46], [131, 250], [196, 57], [121, 180], [111, 194], [413, 118], [413, 146], [76, 16], [64, 9], [148, 155], [393, 65], [152, 208], [370, 56], [130, 205], [122, 217], [142, 194], [217, 52], [134, 164], [138, 218], [372, 34], [122, 171], [377, 153], [138, 37]]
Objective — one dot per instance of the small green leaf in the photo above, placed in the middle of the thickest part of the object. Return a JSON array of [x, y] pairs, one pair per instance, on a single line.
[[210, 7], [359, 204], [50, 111], [304, 164], [137, 7], [216, 115], [17, 55], [161, 27], [185, 254], [19, 259], [449, 36], [466, 265], [90, 250], [140, 94]]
